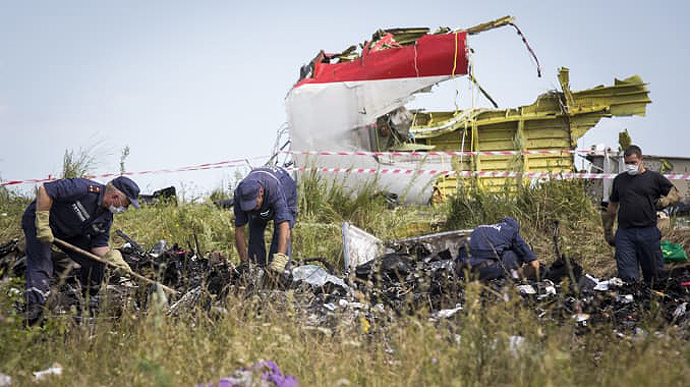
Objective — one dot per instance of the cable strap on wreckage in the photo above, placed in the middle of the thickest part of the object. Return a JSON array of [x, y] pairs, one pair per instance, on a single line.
[[500, 22]]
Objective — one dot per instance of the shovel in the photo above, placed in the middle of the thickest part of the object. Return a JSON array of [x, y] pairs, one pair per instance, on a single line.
[[101, 260]]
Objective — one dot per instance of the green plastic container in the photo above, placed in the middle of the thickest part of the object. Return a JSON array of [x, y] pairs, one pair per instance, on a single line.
[[673, 252]]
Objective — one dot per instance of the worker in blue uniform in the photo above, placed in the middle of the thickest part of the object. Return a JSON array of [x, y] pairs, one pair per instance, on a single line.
[[496, 250], [636, 195], [80, 212], [266, 193]]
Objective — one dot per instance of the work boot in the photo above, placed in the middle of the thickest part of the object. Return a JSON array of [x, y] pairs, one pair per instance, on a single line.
[[33, 314], [93, 303]]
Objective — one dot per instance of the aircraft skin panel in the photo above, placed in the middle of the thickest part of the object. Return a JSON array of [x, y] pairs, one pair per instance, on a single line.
[[350, 106]]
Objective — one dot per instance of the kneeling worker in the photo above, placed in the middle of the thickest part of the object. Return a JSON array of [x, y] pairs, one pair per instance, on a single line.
[[496, 250], [80, 212], [267, 193]]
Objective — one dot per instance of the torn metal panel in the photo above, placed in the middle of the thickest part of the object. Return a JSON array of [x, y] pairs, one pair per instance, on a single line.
[[555, 121], [355, 100], [425, 56], [359, 246], [339, 106], [447, 242]]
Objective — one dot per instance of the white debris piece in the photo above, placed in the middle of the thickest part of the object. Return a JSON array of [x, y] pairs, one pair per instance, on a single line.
[[680, 310], [359, 246], [526, 289], [515, 345], [445, 313], [5, 380], [316, 275], [548, 288], [602, 286], [55, 369], [617, 282]]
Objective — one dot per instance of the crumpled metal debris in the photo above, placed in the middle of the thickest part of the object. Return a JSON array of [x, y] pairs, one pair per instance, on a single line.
[[316, 276], [374, 293]]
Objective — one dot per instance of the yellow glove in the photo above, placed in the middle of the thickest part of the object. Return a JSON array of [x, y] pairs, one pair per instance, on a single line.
[[115, 257], [278, 264], [665, 201], [43, 231]]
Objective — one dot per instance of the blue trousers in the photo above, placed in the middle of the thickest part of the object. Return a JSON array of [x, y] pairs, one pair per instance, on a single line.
[[489, 268], [638, 247], [39, 264], [257, 245]]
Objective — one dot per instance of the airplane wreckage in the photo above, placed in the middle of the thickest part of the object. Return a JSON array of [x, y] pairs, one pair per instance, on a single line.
[[355, 101]]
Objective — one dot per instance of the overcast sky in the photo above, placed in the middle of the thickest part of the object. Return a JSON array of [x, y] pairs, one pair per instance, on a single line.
[[190, 82]]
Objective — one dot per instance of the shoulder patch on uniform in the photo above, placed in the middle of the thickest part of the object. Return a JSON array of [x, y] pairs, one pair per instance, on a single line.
[[94, 189]]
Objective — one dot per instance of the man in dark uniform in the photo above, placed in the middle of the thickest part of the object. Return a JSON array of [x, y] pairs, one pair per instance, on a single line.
[[496, 250], [80, 212], [636, 195], [267, 193]]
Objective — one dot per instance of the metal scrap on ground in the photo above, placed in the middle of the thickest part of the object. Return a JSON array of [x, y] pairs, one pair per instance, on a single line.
[[416, 275]]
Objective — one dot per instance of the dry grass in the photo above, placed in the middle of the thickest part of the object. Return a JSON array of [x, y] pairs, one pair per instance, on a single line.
[[472, 348]]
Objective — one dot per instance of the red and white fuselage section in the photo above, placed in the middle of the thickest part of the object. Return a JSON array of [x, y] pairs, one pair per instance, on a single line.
[[334, 104]]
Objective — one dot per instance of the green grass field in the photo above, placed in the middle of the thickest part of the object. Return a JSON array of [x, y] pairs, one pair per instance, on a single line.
[[149, 348]]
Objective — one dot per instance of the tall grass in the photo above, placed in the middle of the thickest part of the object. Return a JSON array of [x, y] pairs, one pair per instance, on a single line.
[[473, 347], [79, 163], [537, 209], [324, 205], [12, 207]]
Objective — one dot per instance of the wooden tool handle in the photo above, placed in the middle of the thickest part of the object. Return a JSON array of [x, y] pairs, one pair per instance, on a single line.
[[101, 260]]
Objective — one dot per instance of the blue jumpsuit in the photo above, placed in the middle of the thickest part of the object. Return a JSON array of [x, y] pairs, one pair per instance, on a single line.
[[77, 217], [279, 204], [496, 249]]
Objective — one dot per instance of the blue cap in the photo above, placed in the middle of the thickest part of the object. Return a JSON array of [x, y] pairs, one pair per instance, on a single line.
[[128, 187], [511, 222], [247, 192]]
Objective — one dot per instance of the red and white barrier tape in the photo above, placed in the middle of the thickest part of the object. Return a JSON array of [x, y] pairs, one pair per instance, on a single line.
[[200, 167], [559, 175], [443, 153], [243, 162]]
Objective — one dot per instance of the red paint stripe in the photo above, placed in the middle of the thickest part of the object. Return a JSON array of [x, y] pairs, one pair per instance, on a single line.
[[432, 55]]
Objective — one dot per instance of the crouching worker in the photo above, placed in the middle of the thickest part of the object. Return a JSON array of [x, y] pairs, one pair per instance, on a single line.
[[496, 250], [80, 212], [267, 193]]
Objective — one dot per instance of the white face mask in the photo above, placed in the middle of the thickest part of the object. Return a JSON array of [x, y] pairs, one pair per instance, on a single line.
[[632, 169], [117, 210]]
